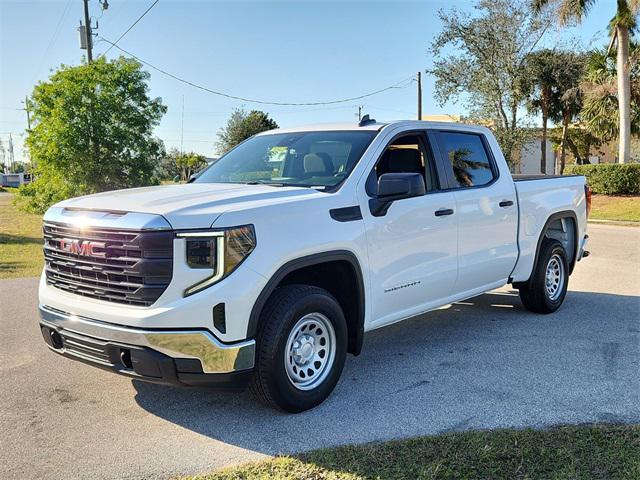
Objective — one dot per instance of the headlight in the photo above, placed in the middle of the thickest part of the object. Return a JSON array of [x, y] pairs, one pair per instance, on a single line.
[[219, 250]]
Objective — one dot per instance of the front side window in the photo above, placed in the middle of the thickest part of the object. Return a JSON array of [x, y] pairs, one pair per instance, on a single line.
[[406, 154], [468, 158], [306, 159]]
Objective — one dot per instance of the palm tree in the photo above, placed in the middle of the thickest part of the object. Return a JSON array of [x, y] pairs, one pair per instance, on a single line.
[[568, 75], [600, 104], [621, 25], [543, 69]]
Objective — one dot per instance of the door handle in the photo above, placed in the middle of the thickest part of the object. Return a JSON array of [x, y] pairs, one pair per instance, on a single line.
[[444, 211], [506, 203]]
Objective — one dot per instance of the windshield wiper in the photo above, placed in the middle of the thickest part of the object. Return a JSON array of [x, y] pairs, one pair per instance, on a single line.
[[261, 182], [275, 184]]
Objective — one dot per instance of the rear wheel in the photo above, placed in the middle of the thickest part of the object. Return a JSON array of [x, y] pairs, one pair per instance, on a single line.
[[547, 287], [302, 345]]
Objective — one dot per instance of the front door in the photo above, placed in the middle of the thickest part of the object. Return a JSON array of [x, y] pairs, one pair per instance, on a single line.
[[413, 247]]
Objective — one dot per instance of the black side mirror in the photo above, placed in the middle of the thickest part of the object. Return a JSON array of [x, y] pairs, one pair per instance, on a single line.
[[192, 178], [395, 186]]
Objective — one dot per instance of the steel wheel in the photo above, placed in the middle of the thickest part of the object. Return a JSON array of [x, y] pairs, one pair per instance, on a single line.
[[554, 277], [310, 351]]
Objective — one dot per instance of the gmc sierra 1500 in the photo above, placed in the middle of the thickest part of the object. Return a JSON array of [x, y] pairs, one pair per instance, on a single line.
[[268, 267]]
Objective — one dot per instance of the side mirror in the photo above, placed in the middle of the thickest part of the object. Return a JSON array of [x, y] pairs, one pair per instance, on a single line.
[[192, 178], [395, 186]]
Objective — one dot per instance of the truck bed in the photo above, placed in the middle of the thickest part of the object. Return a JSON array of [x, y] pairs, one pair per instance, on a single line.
[[540, 200], [538, 176]]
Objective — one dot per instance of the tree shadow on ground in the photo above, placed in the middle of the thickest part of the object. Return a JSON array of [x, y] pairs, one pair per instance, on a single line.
[[482, 363], [6, 239]]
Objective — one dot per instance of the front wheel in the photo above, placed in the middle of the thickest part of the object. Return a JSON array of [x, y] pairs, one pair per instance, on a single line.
[[547, 287], [302, 345]]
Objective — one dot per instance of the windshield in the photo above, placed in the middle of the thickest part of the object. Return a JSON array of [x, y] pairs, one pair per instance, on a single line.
[[306, 159]]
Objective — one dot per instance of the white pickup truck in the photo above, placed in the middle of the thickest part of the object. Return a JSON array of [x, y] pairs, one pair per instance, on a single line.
[[269, 267]]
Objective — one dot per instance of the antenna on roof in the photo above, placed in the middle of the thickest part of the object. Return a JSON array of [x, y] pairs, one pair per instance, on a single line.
[[366, 121]]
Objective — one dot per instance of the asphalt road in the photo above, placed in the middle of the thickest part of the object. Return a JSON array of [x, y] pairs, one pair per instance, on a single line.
[[479, 364]]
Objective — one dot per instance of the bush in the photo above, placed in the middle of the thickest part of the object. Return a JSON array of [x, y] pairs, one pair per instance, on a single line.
[[610, 178], [48, 187]]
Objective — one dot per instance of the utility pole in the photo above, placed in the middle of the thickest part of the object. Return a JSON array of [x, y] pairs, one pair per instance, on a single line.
[[3, 154], [11, 159], [26, 109], [359, 113], [419, 95], [182, 127], [88, 44]]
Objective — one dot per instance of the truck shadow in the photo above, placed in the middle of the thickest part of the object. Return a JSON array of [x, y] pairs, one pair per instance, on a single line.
[[482, 363]]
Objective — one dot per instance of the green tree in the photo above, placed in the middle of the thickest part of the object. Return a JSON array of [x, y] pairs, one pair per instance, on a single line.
[[578, 140], [543, 67], [92, 131], [189, 163], [569, 74], [242, 125], [168, 168], [480, 59], [600, 105], [18, 167], [622, 26]]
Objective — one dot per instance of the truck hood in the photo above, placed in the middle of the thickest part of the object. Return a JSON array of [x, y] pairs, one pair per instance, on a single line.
[[195, 205]]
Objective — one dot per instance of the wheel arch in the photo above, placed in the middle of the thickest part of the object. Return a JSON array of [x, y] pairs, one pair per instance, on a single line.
[[310, 267], [559, 218]]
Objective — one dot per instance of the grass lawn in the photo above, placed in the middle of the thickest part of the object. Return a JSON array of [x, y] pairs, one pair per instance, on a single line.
[[572, 452], [20, 241], [623, 208]]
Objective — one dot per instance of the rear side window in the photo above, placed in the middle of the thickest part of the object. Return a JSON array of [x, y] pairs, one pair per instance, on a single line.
[[468, 158]]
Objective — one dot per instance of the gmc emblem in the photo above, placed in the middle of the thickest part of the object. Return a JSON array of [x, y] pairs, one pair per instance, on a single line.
[[83, 247]]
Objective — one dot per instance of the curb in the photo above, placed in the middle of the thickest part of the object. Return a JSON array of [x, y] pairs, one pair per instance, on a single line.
[[619, 223]]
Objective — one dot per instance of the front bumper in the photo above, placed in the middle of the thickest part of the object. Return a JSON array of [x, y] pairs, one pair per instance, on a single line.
[[173, 357]]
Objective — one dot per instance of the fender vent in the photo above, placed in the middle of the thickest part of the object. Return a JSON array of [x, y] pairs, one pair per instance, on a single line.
[[219, 318]]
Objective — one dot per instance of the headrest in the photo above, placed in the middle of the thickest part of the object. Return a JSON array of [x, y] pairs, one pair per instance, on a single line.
[[315, 164]]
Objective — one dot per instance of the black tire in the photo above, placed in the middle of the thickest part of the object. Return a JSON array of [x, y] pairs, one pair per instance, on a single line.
[[533, 293], [286, 306]]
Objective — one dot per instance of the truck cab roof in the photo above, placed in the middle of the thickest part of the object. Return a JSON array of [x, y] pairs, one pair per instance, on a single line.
[[375, 126]]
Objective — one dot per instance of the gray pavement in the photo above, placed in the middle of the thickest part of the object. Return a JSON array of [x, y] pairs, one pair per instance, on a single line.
[[483, 363]]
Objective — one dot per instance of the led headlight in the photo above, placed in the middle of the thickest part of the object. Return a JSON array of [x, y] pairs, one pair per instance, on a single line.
[[219, 250]]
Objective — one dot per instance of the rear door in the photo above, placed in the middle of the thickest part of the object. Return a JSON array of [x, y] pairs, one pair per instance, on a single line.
[[486, 207]]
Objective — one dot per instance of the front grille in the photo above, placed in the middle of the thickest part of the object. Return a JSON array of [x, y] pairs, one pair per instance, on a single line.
[[123, 266]]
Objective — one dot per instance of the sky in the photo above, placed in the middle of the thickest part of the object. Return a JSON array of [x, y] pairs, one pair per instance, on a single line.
[[282, 51]]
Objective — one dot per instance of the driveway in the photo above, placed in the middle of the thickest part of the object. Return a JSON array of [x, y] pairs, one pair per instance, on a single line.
[[479, 364]]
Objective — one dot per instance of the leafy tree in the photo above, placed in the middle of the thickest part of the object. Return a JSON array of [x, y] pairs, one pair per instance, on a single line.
[[92, 131], [622, 26], [578, 139], [600, 105], [180, 165], [480, 59], [168, 168], [18, 167], [242, 125]]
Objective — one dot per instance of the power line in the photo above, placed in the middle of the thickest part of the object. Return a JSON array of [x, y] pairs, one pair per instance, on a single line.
[[128, 29], [54, 38], [401, 84]]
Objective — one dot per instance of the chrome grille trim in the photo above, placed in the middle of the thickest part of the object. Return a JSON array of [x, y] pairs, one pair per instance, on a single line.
[[136, 268]]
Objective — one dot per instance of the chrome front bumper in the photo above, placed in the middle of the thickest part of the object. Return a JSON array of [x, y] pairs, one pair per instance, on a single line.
[[86, 340]]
